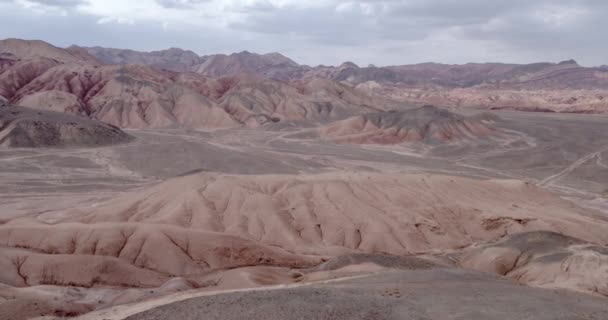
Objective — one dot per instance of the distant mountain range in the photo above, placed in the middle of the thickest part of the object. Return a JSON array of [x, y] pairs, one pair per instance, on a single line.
[[178, 87], [566, 74]]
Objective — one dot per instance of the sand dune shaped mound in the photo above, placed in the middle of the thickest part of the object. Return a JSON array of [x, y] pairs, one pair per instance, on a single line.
[[28, 128], [544, 259], [428, 124], [342, 212], [127, 255]]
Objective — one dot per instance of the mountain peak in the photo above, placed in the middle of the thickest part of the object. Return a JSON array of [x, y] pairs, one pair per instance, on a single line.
[[349, 64]]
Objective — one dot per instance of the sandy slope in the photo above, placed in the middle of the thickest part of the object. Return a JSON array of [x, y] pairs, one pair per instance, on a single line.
[[191, 225], [364, 211]]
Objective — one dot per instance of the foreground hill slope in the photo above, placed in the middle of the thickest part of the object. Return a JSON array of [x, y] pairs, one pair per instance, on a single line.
[[433, 293], [191, 225]]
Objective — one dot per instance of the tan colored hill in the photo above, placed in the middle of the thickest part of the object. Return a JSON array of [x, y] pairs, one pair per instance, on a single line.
[[257, 101], [28, 128], [17, 49], [54, 100], [428, 124], [129, 96], [191, 225], [140, 96]]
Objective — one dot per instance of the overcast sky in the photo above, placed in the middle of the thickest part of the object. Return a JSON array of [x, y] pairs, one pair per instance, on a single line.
[[327, 31]]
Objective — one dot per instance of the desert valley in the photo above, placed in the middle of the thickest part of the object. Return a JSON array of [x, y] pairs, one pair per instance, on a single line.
[[168, 185]]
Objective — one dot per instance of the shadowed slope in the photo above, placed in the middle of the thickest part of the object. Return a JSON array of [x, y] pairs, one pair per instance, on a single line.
[[544, 259], [24, 127]]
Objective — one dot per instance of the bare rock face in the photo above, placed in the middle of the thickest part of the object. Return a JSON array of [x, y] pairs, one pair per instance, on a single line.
[[28, 128], [428, 124]]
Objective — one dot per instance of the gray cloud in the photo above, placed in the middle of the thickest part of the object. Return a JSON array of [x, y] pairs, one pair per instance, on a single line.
[[530, 30], [179, 4], [57, 3], [364, 31]]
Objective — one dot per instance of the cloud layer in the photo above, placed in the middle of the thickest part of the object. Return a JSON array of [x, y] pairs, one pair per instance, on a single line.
[[381, 32]]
